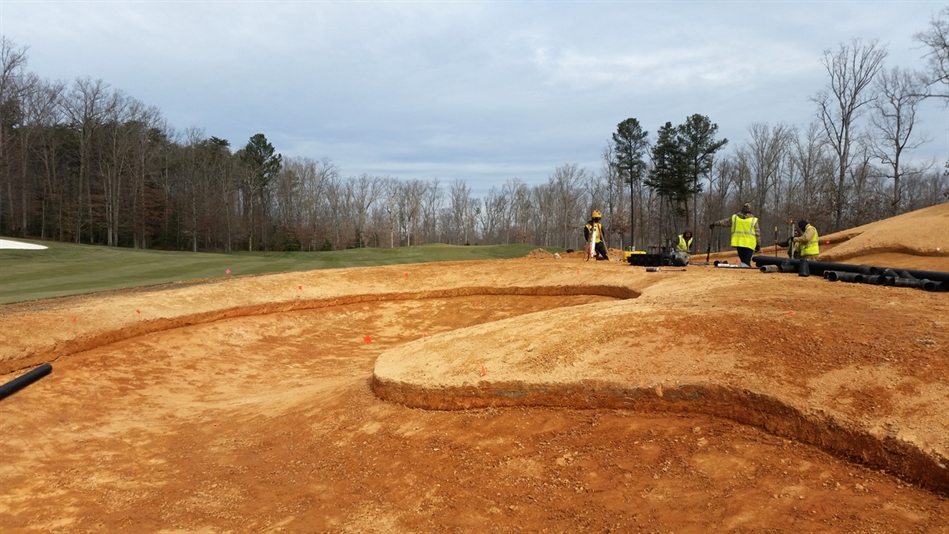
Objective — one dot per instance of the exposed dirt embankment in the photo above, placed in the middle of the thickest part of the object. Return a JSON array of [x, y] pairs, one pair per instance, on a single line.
[[82, 323], [839, 437]]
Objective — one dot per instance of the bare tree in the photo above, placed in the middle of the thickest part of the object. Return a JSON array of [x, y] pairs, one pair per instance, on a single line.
[[852, 68], [565, 185], [463, 211], [615, 199], [391, 195], [493, 215], [361, 194], [936, 38], [519, 211], [432, 201], [766, 153], [812, 165], [12, 65], [43, 113], [86, 105], [900, 93]]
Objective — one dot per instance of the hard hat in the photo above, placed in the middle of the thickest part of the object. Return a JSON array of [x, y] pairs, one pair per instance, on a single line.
[[597, 214]]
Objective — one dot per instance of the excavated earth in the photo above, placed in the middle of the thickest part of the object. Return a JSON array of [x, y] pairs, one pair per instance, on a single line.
[[528, 395]]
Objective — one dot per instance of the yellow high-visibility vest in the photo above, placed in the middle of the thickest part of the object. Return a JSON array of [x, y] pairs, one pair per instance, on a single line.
[[743, 232], [811, 248], [599, 231], [684, 245]]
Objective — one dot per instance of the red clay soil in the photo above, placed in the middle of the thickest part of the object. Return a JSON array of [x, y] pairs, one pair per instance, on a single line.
[[529, 395]]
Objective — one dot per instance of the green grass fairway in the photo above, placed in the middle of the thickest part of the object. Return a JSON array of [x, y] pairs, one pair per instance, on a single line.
[[68, 269]]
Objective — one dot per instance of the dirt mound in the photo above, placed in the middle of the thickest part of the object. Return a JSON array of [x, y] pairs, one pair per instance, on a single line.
[[539, 254], [923, 232]]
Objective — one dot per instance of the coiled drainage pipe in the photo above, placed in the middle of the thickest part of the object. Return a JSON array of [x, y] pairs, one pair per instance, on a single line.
[[22, 381]]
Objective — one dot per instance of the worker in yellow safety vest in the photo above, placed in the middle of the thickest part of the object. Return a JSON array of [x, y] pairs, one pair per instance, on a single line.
[[794, 249], [808, 241], [685, 243], [594, 224], [746, 235]]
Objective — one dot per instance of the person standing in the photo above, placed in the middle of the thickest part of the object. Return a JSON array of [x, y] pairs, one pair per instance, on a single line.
[[746, 235], [594, 226], [808, 241]]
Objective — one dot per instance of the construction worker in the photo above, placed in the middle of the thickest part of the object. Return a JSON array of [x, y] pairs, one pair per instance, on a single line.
[[746, 235], [599, 246], [794, 249], [685, 243], [808, 241], [682, 252]]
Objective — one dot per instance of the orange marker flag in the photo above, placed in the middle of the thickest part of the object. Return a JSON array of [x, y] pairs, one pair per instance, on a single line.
[[300, 288], [367, 339], [483, 371]]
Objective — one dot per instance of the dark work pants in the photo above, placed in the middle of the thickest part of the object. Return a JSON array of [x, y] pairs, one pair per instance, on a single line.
[[601, 250], [744, 254]]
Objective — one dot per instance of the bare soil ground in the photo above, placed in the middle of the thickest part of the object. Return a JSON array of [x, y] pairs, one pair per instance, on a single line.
[[529, 395]]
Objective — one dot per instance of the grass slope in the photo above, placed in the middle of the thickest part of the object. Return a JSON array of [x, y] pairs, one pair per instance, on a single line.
[[69, 269]]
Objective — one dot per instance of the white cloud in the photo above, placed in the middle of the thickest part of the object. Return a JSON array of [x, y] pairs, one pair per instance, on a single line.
[[486, 89]]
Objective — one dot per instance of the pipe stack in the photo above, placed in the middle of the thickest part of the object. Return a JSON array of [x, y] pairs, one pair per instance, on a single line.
[[866, 274]]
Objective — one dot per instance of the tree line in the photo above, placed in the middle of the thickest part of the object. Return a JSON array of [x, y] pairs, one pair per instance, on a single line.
[[86, 163]]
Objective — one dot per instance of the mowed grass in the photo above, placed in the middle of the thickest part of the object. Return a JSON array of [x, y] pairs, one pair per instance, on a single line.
[[68, 269]]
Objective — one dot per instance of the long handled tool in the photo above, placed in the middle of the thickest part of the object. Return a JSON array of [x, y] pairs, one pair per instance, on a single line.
[[592, 250], [708, 251], [775, 241], [791, 238]]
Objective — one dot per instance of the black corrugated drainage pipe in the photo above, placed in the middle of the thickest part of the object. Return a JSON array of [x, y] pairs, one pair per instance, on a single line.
[[905, 282], [834, 276], [935, 276], [875, 279], [928, 285], [818, 268], [22, 381]]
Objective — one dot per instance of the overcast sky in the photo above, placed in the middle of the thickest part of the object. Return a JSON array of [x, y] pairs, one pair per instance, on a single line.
[[478, 90]]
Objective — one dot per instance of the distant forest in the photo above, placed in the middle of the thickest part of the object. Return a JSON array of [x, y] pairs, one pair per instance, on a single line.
[[85, 163]]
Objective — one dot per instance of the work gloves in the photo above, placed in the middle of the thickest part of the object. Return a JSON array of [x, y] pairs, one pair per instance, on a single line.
[[757, 248]]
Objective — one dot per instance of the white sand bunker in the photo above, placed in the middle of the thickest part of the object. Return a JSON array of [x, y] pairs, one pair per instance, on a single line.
[[7, 244]]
